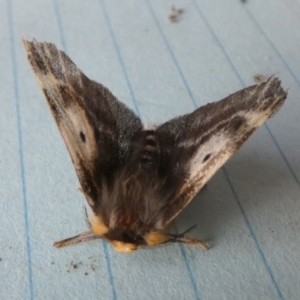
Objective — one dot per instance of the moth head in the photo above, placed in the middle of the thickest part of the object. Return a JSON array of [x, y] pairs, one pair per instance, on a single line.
[[124, 247], [128, 240], [125, 241]]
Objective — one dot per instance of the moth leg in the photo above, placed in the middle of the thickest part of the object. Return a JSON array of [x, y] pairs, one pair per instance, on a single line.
[[80, 238], [185, 239]]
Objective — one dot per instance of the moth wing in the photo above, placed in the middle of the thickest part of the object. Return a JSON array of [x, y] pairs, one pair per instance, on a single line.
[[194, 146], [98, 130]]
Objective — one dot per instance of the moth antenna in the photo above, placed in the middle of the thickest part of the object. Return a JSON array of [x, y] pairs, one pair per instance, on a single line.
[[80, 238], [86, 218], [188, 230], [175, 237]]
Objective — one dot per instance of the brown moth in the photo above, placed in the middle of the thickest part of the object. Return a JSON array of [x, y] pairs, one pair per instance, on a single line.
[[136, 180]]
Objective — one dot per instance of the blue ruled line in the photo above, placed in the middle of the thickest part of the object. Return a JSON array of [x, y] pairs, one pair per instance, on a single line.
[[251, 17], [295, 78], [117, 49], [60, 25], [234, 69], [171, 52], [64, 44], [259, 249], [20, 141], [190, 272], [193, 100], [176, 63], [112, 34], [218, 42], [111, 278]]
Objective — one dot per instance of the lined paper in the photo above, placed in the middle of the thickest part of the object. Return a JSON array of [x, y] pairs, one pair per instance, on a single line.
[[249, 211]]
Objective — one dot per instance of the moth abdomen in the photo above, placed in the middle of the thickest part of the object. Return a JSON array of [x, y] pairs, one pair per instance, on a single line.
[[149, 152]]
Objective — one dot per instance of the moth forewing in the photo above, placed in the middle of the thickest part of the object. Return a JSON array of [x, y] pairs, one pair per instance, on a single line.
[[225, 135], [136, 180]]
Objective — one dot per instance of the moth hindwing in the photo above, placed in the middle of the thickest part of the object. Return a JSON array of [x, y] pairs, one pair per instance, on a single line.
[[136, 180]]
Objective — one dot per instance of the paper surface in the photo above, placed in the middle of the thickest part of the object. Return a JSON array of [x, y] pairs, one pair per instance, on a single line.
[[249, 211]]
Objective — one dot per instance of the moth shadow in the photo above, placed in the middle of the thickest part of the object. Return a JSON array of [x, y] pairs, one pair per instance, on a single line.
[[216, 210]]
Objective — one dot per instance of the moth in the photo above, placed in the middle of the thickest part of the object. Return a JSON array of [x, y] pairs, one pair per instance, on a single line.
[[137, 179]]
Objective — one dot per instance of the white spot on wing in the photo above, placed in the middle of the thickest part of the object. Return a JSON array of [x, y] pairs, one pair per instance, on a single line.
[[213, 145]]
